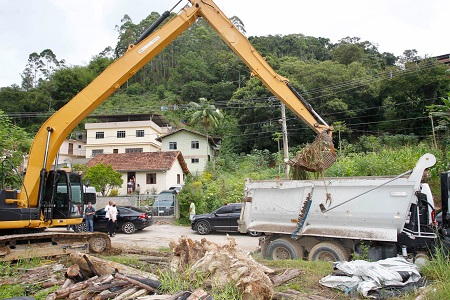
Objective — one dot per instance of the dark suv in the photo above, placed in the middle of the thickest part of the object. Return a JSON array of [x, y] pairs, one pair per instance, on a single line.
[[222, 219]]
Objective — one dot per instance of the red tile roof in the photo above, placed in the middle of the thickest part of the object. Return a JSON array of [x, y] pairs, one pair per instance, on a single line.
[[144, 161]]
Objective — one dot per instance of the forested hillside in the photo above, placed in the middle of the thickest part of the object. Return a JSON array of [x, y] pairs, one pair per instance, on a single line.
[[350, 84]]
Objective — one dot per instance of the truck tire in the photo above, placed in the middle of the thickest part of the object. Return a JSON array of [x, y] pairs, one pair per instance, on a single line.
[[284, 248], [328, 251], [203, 227], [254, 233]]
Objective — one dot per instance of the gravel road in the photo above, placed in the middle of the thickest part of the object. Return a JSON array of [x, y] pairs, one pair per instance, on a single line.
[[160, 234]]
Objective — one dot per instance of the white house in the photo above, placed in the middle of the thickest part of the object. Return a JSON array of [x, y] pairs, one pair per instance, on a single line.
[[125, 134], [71, 152], [197, 148], [153, 171]]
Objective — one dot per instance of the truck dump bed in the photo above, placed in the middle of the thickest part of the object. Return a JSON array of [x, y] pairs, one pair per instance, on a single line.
[[378, 213]]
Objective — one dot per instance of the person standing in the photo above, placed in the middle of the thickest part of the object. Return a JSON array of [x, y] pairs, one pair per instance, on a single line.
[[130, 186], [138, 189], [191, 210], [112, 223], [107, 209], [90, 211]]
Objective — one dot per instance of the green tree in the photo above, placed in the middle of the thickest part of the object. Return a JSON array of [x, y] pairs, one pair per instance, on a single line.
[[347, 53], [408, 91], [206, 113], [14, 144], [103, 178]]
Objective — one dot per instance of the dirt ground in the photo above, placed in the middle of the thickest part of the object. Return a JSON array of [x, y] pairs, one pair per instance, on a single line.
[[161, 233]]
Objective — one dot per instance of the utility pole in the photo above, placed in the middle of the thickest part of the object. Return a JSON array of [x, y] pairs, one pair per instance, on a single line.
[[285, 139]]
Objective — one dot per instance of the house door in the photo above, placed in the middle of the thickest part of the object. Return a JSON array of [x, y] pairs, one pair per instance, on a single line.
[[131, 182]]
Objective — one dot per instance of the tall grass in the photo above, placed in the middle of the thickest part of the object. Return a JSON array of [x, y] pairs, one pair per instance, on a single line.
[[438, 272]]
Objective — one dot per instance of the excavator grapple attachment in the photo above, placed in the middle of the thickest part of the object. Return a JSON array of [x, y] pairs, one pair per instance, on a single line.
[[316, 157]]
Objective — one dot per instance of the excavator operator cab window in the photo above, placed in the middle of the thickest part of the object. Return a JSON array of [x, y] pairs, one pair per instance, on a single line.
[[63, 194], [76, 188], [57, 195]]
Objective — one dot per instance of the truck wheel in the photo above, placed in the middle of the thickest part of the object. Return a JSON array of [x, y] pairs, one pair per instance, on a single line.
[[284, 248], [254, 233], [128, 228], [328, 251], [97, 244], [203, 227]]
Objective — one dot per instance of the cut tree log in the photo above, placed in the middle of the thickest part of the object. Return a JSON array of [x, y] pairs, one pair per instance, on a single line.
[[139, 293], [67, 282], [102, 287], [73, 272], [62, 293], [127, 293], [47, 284], [287, 275], [106, 267], [135, 282], [111, 295]]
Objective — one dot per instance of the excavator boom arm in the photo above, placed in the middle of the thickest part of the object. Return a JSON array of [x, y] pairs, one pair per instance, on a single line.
[[49, 138]]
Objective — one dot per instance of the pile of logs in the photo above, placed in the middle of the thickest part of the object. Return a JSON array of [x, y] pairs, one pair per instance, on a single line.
[[91, 277], [114, 286], [84, 281]]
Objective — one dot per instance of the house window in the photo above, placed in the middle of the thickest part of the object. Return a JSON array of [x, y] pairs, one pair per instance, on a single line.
[[97, 152], [195, 145], [140, 133], [151, 178], [79, 146], [173, 145], [195, 160], [134, 150], [99, 135], [178, 179], [115, 151], [121, 134]]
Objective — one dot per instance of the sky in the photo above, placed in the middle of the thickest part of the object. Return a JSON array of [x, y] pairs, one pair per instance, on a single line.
[[76, 30]]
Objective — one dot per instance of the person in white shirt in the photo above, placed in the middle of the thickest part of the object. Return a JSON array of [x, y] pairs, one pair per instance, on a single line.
[[107, 209], [112, 223]]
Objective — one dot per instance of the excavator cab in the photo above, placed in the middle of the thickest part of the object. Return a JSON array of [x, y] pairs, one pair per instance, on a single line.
[[63, 197]]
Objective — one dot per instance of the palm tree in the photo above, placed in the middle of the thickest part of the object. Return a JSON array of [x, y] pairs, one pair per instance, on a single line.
[[207, 114]]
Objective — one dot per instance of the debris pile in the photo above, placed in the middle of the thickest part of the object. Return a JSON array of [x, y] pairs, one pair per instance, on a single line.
[[82, 276], [225, 265], [317, 157]]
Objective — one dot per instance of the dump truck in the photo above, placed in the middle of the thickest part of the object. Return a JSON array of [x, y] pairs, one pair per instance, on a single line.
[[335, 219]]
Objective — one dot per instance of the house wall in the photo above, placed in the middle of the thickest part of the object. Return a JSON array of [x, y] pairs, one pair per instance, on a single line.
[[67, 158], [110, 141], [164, 179], [184, 140]]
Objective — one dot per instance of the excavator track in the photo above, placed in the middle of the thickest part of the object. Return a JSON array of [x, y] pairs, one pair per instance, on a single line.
[[22, 246]]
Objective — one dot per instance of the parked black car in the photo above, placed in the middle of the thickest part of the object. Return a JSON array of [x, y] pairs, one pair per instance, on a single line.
[[222, 219], [129, 219]]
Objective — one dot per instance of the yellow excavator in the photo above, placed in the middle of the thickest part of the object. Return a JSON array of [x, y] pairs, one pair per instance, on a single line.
[[47, 197]]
